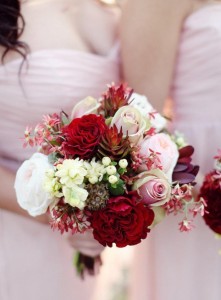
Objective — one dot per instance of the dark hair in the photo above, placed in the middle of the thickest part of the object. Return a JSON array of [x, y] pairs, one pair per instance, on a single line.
[[11, 27]]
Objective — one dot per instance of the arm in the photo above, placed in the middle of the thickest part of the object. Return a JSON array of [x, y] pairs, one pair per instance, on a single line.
[[150, 34], [8, 197]]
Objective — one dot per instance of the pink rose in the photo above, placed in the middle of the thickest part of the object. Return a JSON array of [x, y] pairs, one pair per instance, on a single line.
[[87, 106], [132, 123], [154, 187], [163, 144]]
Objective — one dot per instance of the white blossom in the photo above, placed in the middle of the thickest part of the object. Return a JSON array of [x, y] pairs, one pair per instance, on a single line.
[[71, 172], [94, 169], [75, 196]]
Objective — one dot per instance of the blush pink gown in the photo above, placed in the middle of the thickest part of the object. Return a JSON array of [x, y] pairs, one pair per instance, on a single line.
[[170, 265], [35, 263]]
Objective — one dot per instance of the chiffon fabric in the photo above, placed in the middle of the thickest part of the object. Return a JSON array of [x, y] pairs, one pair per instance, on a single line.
[[170, 265], [36, 263]]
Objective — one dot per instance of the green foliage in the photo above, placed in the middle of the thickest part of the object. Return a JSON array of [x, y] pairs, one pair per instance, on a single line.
[[117, 189]]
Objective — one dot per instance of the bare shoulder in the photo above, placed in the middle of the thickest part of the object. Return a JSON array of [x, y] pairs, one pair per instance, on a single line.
[[157, 7], [182, 8]]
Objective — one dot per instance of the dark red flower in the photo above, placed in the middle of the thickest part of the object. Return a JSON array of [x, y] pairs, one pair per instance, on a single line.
[[83, 135], [211, 192], [124, 221]]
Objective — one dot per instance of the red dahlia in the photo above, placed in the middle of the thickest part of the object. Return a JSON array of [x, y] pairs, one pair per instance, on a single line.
[[83, 135], [211, 192], [124, 221]]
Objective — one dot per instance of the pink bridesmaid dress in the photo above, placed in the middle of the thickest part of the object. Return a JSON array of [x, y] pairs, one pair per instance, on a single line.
[[35, 263], [170, 265]]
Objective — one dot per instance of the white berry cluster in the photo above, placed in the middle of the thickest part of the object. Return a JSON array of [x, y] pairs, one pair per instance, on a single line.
[[111, 170]]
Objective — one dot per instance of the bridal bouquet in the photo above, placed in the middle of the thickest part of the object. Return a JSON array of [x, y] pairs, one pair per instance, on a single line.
[[210, 191], [111, 167]]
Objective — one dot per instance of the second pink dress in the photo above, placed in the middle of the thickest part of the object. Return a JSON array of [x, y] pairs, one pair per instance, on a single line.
[[170, 265]]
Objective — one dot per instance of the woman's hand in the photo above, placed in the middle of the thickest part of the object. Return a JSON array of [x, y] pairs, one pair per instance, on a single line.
[[85, 243]]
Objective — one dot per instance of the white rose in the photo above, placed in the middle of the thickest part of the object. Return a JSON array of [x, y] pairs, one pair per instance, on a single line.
[[141, 103], [29, 180]]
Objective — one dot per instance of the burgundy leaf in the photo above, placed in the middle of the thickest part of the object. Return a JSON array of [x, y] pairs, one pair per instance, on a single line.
[[183, 178], [180, 168], [186, 151]]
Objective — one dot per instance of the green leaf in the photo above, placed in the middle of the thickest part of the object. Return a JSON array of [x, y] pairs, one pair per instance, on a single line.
[[54, 143], [105, 177], [118, 188], [78, 265], [52, 157], [64, 118], [108, 121], [121, 171], [114, 185]]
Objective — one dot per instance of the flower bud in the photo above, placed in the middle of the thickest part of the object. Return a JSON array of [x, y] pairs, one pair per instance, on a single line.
[[123, 163], [93, 179], [113, 179], [111, 170], [217, 165], [180, 142], [106, 161]]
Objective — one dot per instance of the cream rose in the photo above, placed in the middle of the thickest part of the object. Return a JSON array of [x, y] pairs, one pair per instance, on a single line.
[[29, 181], [154, 187], [143, 105], [163, 144], [159, 215], [132, 123], [87, 106]]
